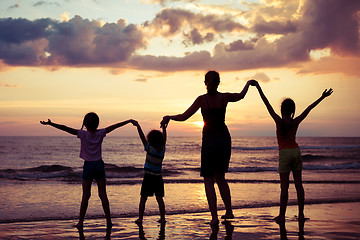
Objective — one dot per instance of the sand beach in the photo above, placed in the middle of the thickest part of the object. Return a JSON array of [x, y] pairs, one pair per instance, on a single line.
[[326, 221]]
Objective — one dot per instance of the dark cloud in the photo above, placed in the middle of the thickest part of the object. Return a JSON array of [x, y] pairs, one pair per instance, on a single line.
[[323, 24], [15, 31], [20, 40], [79, 41], [42, 3], [173, 21], [195, 60], [239, 45], [332, 24], [195, 37], [274, 27], [14, 6], [261, 77]]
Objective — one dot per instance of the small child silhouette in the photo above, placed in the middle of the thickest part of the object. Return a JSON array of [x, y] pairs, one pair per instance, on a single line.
[[152, 182]]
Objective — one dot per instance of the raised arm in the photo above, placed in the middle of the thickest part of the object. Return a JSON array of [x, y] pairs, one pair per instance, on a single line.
[[270, 109], [164, 133], [61, 127], [303, 115], [141, 133], [184, 116], [234, 97], [117, 125]]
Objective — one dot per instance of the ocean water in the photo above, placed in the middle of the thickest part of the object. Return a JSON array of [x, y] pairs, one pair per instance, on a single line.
[[40, 177]]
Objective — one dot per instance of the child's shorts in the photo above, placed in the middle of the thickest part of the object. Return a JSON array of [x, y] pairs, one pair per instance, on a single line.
[[289, 160], [93, 170], [152, 184]]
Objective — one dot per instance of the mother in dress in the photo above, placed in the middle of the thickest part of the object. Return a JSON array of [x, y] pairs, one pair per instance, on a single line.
[[216, 140]]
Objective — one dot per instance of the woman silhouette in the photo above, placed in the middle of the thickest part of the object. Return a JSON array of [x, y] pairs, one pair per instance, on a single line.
[[216, 141]]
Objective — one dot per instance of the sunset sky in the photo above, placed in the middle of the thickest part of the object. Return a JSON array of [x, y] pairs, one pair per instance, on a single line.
[[143, 59]]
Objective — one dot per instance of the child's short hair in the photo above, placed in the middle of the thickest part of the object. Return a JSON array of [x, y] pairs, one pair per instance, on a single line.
[[156, 139], [288, 107], [91, 121]]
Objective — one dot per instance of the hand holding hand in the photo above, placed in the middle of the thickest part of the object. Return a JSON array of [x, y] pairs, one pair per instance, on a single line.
[[327, 93], [164, 123], [134, 122], [46, 123], [253, 82]]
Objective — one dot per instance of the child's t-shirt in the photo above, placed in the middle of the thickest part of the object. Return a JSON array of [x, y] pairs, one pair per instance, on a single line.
[[154, 159], [91, 144]]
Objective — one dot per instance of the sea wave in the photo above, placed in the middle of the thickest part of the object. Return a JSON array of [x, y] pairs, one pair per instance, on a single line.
[[252, 169], [262, 148], [126, 174], [341, 166], [338, 166], [69, 174]]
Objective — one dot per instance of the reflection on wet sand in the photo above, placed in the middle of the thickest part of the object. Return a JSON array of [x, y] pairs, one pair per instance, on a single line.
[[82, 235], [161, 231], [229, 229], [283, 232]]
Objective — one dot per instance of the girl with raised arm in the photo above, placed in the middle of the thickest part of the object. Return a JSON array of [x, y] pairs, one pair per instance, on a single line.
[[289, 151], [93, 168]]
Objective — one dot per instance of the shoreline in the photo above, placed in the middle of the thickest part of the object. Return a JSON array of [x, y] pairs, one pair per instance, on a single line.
[[326, 221], [152, 213]]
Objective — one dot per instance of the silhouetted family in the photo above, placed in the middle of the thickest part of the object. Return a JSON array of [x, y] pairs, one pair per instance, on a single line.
[[215, 151]]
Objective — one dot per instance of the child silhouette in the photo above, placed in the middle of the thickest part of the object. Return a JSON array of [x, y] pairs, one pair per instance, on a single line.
[[152, 182], [289, 152], [93, 168]]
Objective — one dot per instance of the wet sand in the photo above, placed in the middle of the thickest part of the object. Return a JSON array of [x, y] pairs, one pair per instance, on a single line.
[[327, 221]]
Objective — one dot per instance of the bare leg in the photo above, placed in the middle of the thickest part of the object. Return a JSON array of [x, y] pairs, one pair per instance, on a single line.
[[161, 204], [211, 197], [86, 187], [225, 194], [284, 184], [104, 200], [300, 192], [141, 209]]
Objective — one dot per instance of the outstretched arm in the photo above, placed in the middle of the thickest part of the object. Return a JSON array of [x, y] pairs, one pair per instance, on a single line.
[[234, 97], [303, 115], [270, 109], [117, 125], [141, 133], [184, 116], [61, 127]]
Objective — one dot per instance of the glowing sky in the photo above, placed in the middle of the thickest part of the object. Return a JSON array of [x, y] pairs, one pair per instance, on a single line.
[[144, 59]]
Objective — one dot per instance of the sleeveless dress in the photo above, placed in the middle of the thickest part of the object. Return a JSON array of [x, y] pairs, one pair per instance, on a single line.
[[216, 142]]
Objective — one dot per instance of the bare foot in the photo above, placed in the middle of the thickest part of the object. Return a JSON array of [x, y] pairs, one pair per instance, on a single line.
[[228, 216], [138, 221], [79, 225], [214, 223], [161, 220], [279, 218], [301, 217]]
